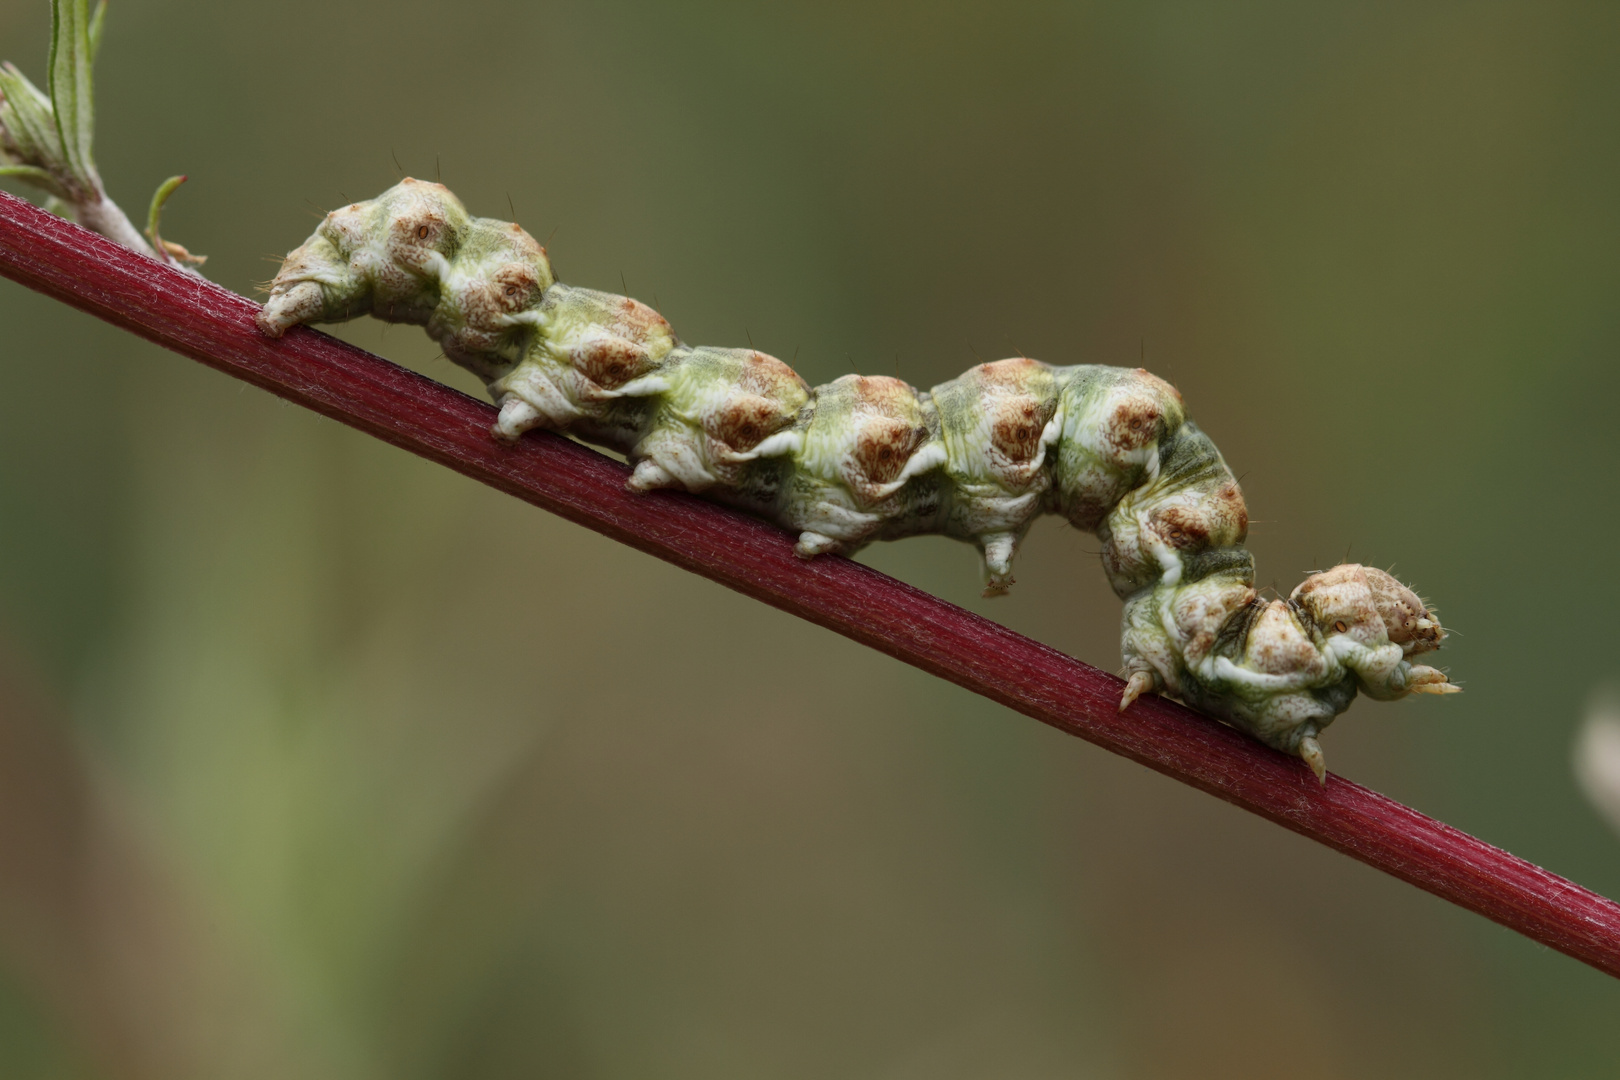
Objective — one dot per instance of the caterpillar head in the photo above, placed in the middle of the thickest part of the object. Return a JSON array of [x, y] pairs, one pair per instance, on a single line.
[[1408, 620], [1370, 604]]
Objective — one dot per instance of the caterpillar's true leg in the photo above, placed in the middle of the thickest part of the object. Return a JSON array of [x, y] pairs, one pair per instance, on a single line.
[[1139, 683], [1427, 680], [1311, 751]]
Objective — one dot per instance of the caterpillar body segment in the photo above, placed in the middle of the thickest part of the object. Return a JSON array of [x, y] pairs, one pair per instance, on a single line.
[[718, 411], [385, 257], [867, 458]]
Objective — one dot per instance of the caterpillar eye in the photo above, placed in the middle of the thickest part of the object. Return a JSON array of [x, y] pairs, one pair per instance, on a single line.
[[1340, 626], [422, 232], [511, 290]]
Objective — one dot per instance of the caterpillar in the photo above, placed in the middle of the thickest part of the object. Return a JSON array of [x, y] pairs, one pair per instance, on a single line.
[[867, 458]]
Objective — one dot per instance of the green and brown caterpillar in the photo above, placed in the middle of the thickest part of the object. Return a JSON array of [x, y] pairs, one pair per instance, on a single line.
[[863, 458]]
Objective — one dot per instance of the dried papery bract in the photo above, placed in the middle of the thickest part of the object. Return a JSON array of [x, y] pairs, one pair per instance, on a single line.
[[864, 458]]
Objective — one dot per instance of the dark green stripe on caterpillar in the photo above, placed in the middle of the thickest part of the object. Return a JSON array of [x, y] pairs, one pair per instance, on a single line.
[[868, 458]]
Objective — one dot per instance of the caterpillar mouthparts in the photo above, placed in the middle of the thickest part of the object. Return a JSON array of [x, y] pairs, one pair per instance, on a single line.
[[867, 458]]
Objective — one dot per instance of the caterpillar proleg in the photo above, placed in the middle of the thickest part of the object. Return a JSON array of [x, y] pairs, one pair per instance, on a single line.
[[867, 458]]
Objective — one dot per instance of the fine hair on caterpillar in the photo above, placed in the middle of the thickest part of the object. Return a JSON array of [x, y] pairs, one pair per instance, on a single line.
[[867, 458]]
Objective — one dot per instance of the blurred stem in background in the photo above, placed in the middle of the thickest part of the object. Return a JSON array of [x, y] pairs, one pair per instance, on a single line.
[[97, 924]]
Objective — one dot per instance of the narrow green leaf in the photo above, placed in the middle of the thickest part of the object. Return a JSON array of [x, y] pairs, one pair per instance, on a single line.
[[70, 87], [29, 173], [155, 214], [34, 175], [96, 21], [26, 114]]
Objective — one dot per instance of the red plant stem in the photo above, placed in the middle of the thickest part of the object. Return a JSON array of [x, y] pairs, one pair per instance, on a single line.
[[208, 323]]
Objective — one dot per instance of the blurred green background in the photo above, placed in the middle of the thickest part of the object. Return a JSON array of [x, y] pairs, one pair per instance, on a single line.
[[317, 760]]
